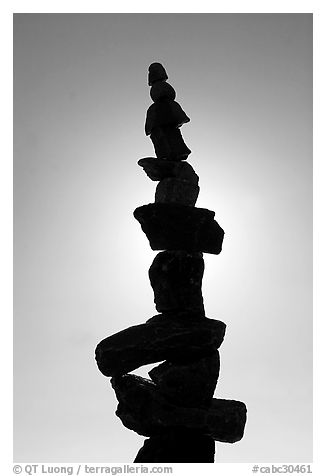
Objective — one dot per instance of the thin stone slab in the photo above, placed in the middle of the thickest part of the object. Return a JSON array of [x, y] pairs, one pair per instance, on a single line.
[[160, 338], [144, 410], [173, 190], [179, 227], [179, 317], [177, 446], [176, 279], [188, 383], [159, 169]]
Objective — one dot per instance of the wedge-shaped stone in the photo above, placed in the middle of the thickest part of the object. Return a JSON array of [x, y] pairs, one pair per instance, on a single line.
[[159, 169], [177, 446], [173, 190], [160, 338], [176, 278], [179, 227], [188, 383], [168, 143], [142, 409]]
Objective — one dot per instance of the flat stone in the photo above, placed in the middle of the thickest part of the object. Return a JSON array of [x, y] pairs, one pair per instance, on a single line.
[[162, 90], [179, 317], [179, 227], [176, 278], [169, 144], [160, 338], [159, 169], [177, 446], [173, 190], [144, 410], [164, 113], [156, 72], [188, 383]]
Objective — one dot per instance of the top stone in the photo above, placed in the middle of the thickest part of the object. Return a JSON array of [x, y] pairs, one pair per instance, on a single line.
[[156, 72]]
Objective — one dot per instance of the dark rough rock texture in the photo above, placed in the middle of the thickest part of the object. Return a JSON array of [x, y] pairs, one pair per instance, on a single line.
[[160, 338], [169, 144], [178, 227], [164, 113], [162, 90], [178, 317], [156, 72], [177, 446], [160, 169], [172, 190], [144, 410], [176, 278], [188, 383]]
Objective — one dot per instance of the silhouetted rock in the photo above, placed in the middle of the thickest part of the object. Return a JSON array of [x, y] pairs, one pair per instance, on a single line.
[[164, 113], [156, 72], [162, 90], [172, 190], [159, 169], [178, 227], [177, 446], [176, 409], [144, 410], [169, 144], [160, 338], [188, 383], [182, 317], [176, 278]]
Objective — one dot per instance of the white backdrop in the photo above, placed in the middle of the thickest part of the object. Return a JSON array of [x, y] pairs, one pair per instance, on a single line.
[[80, 258]]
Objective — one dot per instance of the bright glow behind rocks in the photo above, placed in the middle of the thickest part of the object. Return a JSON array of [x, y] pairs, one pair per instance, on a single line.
[[80, 257]]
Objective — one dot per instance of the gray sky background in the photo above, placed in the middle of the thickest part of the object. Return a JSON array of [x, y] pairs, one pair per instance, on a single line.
[[81, 259]]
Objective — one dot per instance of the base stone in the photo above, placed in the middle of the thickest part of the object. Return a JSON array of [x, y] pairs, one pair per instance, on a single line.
[[143, 409], [177, 447]]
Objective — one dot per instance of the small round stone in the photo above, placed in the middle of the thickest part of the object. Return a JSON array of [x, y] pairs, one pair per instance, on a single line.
[[156, 72], [162, 90]]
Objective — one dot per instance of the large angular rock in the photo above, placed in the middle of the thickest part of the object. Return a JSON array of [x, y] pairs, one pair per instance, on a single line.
[[173, 190], [164, 113], [156, 72], [160, 338], [188, 383], [159, 169], [178, 227], [177, 446], [144, 410], [176, 278]]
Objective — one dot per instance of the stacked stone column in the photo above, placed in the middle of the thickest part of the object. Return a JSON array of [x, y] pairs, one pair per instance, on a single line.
[[175, 407]]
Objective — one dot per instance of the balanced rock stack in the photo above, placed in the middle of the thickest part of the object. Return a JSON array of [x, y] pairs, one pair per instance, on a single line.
[[175, 408]]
